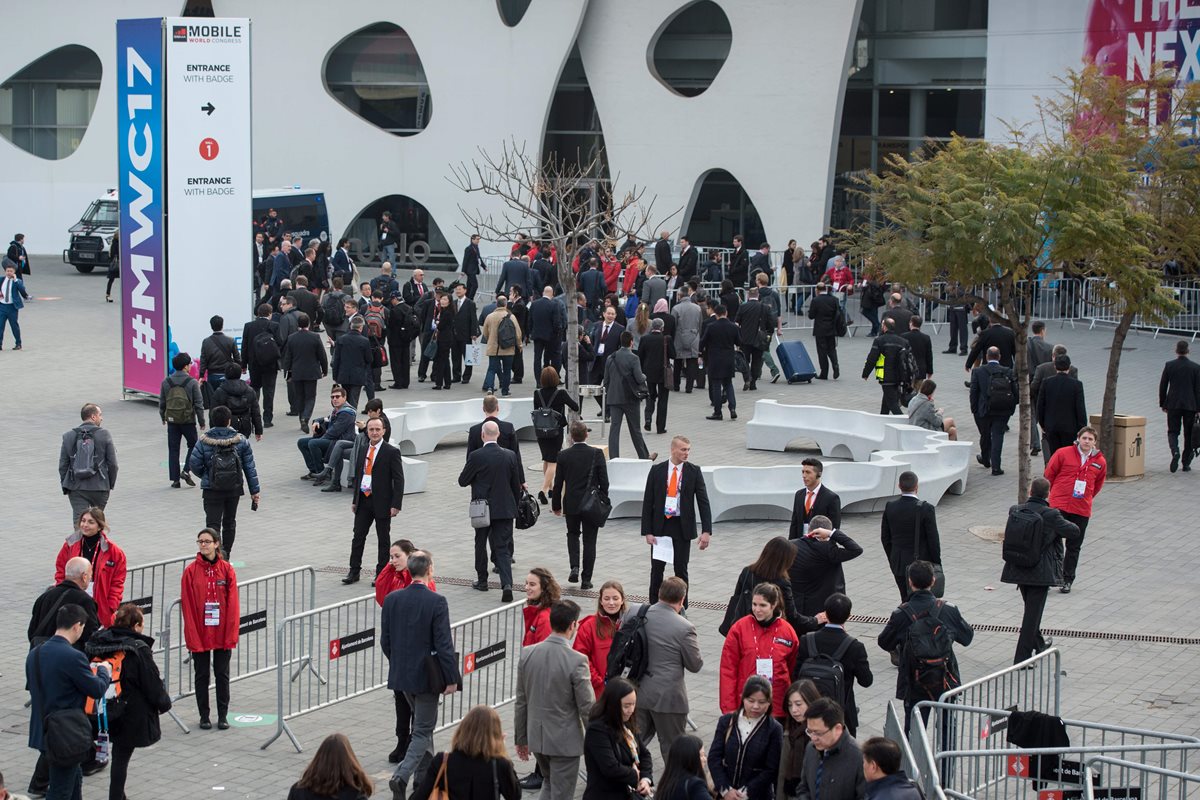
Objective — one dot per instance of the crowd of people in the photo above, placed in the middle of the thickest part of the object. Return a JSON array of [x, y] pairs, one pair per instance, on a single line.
[[598, 687]]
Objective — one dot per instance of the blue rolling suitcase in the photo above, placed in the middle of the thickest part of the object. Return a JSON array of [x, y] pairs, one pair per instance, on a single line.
[[795, 362]]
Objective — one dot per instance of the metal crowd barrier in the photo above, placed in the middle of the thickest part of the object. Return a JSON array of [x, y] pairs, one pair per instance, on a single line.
[[1147, 776], [916, 757], [152, 587], [263, 603], [338, 644]]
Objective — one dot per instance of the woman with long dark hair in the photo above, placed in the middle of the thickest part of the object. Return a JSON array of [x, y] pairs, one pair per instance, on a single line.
[[745, 748], [443, 321], [541, 592], [762, 636], [333, 774], [795, 736], [684, 777], [477, 765], [771, 566], [617, 760], [595, 635], [90, 540]]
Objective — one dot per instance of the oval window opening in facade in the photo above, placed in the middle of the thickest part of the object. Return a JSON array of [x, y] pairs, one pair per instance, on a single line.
[[512, 11], [376, 73], [419, 240], [46, 107], [722, 209], [691, 47]]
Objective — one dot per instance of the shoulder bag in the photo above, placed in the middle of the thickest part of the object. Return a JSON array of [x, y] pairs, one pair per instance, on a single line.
[[441, 784], [595, 505], [668, 367], [939, 576], [480, 513], [67, 732], [739, 602]]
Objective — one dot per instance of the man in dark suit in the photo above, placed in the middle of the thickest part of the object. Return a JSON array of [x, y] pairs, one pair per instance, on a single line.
[[605, 339], [281, 267], [547, 322], [817, 570], [656, 352], [591, 283], [304, 299], [544, 274], [1061, 410], [304, 363], [466, 331], [414, 288], [992, 409], [264, 365], [813, 499], [472, 263], [515, 272], [761, 262], [674, 491], [1179, 398], [415, 627], [494, 474], [508, 434], [662, 253], [997, 335], [739, 263], [922, 350], [378, 495], [755, 322], [906, 519], [689, 260], [352, 362], [823, 311], [832, 640], [718, 340], [578, 467]]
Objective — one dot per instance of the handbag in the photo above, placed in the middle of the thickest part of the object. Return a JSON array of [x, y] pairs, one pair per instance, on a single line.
[[668, 366], [595, 506], [740, 364], [441, 784], [67, 732], [430, 351], [528, 511], [939, 576], [739, 603], [480, 513]]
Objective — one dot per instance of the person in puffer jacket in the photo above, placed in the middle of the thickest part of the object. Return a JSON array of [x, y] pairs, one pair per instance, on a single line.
[[211, 614], [242, 402], [923, 413], [762, 634], [221, 458]]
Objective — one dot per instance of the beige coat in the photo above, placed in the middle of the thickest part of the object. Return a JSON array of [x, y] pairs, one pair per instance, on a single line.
[[490, 327], [554, 696]]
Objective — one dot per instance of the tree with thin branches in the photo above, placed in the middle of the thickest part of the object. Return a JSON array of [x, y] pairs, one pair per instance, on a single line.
[[551, 200]]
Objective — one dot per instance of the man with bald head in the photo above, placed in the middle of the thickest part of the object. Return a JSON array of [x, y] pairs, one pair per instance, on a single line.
[[993, 400], [494, 475]]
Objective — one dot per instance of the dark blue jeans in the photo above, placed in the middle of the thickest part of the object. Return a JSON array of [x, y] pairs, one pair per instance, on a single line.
[[498, 365], [8, 315], [315, 449]]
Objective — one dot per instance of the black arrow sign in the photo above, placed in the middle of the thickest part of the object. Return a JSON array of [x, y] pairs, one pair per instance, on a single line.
[[208, 109]]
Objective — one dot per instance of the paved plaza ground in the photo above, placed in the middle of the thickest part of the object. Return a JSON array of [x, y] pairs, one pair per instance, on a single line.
[[1128, 632]]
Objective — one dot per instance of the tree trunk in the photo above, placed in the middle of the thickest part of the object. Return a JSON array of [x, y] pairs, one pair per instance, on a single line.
[[1020, 325], [1109, 408], [566, 277]]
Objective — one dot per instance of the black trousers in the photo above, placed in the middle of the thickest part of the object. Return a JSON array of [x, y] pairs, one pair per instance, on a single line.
[[959, 329], [352, 393], [991, 439], [263, 381], [827, 354], [401, 363], [404, 717], [472, 286], [423, 363], [577, 525], [657, 400], [364, 515], [720, 390], [459, 372], [1184, 419], [755, 357], [175, 432], [306, 398], [1030, 640], [220, 665], [686, 367], [1056, 440], [441, 365], [499, 537], [891, 399], [546, 354], [220, 514], [683, 552], [518, 365], [118, 770], [1071, 560]]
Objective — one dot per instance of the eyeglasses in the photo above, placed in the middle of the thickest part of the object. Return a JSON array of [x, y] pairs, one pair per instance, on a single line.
[[817, 734], [206, 541]]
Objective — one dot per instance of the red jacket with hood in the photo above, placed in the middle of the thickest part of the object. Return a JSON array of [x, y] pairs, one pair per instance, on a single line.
[[1068, 465], [108, 573], [748, 641], [210, 582]]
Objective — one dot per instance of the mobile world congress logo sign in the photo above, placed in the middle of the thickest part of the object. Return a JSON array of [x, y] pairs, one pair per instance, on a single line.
[[207, 34]]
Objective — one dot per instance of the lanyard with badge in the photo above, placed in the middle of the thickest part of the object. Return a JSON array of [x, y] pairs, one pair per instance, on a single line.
[[1079, 490], [763, 667], [212, 606]]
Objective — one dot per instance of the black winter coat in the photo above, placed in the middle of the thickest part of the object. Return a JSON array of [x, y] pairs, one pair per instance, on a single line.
[[653, 354], [753, 764], [141, 686], [1048, 570], [609, 762]]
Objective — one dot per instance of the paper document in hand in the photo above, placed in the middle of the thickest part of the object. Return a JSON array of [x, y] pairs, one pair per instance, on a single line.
[[663, 549]]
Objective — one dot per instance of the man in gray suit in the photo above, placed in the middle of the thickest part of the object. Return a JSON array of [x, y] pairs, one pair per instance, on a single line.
[[672, 647], [624, 388], [688, 318], [554, 696]]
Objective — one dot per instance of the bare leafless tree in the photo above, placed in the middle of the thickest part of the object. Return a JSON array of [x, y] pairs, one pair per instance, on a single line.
[[551, 201]]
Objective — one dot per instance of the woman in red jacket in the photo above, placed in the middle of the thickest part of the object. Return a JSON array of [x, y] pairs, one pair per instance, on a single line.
[[211, 615], [541, 592], [1076, 474], [760, 643], [91, 541], [595, 636]]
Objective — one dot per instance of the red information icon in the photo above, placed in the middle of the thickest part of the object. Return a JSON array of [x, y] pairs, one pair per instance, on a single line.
[[209, 148]]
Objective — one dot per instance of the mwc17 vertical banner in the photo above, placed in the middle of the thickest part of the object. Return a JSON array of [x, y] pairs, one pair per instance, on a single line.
[[185, 161]]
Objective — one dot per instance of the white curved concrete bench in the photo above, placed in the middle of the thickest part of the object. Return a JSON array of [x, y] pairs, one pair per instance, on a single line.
[[418, 426], [838, 433], [416, 474]]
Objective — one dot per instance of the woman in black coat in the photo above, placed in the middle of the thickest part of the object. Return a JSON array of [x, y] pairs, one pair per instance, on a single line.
[[142, 692], [551, 396], [617, 760], [751, 760], [729, 298], [476, 766], [655, 352], [333, 774], [444, 326]]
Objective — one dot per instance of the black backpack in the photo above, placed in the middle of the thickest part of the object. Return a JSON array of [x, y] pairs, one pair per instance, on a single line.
[[928, 651], [630, 649], [1000, 396], [909, 371], [266, 349], [83, 460], [506, 332], [547, 423], [1023, 537], [239, 409], [825, 670], [333, 310], [225, 469]]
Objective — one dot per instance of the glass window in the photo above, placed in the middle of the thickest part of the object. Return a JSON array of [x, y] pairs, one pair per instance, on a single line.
[[421, 241], [723, 209], [893, 112], [377, 74], [949, 111], [46, 107], [856, 113], [691, 49], [511, 11]]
